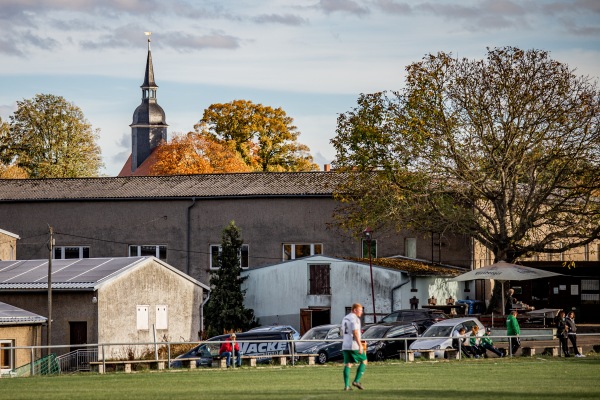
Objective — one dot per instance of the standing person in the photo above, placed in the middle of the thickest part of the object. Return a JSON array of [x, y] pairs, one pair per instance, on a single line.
[[513, 331], [510, 300], [352, 348], [572, 333], [562, 332], [227, 347], [488, 344]]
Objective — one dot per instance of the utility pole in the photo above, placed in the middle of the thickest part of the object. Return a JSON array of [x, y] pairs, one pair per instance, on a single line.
[[51, 248]]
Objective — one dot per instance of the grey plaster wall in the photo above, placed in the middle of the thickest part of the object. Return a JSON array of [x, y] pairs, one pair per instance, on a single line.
[[150, 284], [108, 227]]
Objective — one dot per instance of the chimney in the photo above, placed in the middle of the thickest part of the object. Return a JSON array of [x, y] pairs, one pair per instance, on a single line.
[[327, 167]]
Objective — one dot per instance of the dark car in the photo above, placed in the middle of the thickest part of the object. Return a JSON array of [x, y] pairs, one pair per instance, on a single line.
[[251, 344], [379, 350], [424, 318], [325, 340]]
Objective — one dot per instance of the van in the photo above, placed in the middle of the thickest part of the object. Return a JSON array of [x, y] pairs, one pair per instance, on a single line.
[[259, 343]]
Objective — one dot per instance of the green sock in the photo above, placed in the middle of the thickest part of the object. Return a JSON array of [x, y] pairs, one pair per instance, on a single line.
[[359, 372], [346, 376]]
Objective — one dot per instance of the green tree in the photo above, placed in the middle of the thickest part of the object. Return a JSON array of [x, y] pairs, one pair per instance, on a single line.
[[265, 137], [50, 138], [503, 149], [225, 311]]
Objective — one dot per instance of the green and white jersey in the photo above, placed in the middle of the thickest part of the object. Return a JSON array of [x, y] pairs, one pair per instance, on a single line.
[[350, 323]]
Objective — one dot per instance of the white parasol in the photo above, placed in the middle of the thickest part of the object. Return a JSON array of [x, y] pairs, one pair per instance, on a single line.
[[503, 271]]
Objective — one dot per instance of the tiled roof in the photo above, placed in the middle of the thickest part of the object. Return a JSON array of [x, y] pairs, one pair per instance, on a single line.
[[10, 315], [415, 267], [254, 184]]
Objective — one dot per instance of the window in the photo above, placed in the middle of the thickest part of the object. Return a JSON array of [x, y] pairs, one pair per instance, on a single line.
[[142, 318], [157, 251], [318, 280], [68, 252], [292, 251], [365, 248], [590, 284], [7, 356], [162, 321], [410, 247], [215, 250]]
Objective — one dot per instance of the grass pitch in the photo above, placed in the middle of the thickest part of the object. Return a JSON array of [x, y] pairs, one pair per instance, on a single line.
[[518, 378]]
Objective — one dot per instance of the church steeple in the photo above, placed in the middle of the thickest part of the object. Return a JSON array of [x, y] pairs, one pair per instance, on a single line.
[[149, 127]]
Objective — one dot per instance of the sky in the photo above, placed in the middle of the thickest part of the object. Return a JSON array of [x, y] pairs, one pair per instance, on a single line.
[[312, 58]]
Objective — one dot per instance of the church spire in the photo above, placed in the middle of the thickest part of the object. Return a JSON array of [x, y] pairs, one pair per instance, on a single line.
[[149, 127], [149, 76]]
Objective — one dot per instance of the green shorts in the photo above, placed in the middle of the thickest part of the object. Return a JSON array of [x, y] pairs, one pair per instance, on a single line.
[[354, 357]]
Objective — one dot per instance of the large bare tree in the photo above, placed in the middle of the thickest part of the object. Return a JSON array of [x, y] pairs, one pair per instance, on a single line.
[[504, 149]]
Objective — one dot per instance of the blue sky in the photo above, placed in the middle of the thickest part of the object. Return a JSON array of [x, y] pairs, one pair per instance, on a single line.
[[311, 57]]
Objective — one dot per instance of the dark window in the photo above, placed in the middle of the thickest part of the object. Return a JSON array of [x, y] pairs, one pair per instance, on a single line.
[[319, 279]]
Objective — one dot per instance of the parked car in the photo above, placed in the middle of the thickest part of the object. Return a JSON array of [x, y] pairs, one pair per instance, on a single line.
[[379, 350], [270, 328], [262, 344], [423, 317], [328, 343], [438, 336]]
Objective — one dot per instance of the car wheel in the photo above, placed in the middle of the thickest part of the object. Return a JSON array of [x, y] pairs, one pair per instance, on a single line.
[[322, 358], [379, 356]]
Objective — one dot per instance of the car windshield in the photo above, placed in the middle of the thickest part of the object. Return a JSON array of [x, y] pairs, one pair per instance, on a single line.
[[393, 317], [315, 334], [375, 332], [438, 331]]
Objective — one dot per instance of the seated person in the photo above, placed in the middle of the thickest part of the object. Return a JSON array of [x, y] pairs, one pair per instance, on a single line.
[[488, 344], [226, 349], [473, 347], [459, 340]]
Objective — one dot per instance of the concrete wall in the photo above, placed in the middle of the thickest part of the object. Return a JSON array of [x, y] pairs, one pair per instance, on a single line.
[[150, 284], [23, 335], [277, 293], [266, 223]]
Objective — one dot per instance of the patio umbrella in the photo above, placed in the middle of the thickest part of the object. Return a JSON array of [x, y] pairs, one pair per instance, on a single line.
[[503, 271]]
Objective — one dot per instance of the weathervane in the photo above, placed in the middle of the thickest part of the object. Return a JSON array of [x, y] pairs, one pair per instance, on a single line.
[[148, 34]]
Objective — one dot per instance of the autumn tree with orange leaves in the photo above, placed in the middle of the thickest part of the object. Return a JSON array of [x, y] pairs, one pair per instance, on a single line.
[[196, 153], [263, 136]]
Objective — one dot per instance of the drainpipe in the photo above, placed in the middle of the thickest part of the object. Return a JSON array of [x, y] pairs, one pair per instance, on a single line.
[[394, 289], [189, 239], [202, 312]]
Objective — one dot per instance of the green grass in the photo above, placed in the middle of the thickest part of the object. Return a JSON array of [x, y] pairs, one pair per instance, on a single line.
[[519, 378]]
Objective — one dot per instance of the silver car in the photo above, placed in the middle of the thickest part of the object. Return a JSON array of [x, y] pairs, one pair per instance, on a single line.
[[438, 336]]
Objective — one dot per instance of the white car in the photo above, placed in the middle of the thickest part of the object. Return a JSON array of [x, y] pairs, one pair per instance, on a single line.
[[438, 336]]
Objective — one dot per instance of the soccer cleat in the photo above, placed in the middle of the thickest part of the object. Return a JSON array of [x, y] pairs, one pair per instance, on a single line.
[[347, 388], [358, 385]]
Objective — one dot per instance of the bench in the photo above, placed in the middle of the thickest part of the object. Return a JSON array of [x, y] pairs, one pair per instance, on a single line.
[[100, 366], [409, 355], [554, 351], [281, 359]]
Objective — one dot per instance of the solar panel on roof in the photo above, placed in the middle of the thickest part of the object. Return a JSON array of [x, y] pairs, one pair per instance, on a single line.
[[86, 272]]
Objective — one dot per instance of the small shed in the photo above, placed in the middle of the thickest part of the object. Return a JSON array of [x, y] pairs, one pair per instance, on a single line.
[[18, 327], [320, 290], [107, 300]]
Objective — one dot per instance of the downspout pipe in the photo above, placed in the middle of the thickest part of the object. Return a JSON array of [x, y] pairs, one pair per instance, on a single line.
[[202, 314], [189, 235], [394, 289]]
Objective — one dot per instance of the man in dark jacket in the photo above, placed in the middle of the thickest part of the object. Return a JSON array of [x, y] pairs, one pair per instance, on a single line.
[[562, 332]]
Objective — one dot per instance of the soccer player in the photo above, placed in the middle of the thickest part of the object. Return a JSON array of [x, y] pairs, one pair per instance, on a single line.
[[352, 348]]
